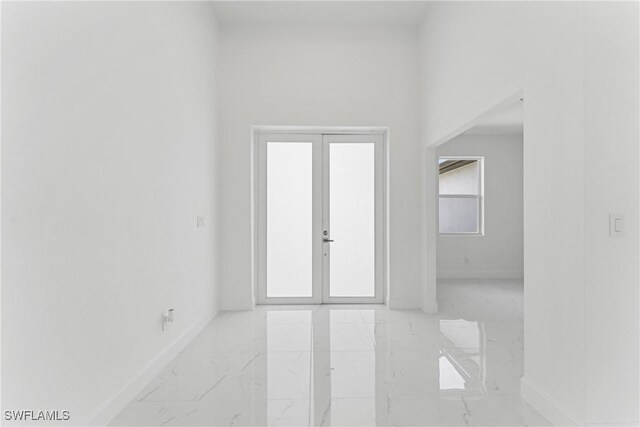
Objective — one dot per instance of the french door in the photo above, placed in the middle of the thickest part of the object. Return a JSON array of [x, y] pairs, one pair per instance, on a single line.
[[320, 218]]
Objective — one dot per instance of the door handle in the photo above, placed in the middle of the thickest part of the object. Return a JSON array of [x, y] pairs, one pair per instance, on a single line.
[[325, 240]]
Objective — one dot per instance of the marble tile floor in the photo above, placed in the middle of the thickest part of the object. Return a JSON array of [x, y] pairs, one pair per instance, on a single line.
[[334, 365]]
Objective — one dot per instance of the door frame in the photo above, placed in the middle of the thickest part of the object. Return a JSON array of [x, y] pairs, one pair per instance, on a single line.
[[256, 227]]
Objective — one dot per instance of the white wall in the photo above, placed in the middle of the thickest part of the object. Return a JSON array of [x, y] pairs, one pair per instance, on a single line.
[[108, 150], [611, 150], [577, 65], [499, 252], [320, 75]]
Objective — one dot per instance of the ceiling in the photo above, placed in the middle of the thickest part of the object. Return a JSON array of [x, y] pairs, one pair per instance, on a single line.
[[508, 121], [320, 12]]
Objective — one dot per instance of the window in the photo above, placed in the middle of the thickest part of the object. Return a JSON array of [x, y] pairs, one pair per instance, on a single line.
[[460, 200]]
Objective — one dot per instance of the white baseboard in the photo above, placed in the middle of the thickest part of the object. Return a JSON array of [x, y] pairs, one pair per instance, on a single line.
[[615, 424], [480, 275], [556, 414], [431, 308], [111, 407], [397, 304]]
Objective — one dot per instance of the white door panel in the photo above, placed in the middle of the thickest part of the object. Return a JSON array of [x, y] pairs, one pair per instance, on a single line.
[[320, 218]]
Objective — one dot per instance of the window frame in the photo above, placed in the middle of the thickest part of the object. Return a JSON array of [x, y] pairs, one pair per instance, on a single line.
[[479, 196]]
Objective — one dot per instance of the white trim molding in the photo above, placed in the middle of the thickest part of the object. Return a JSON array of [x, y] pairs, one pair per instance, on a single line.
[[381, 137], [104, 413], [325, 130], [556, 414]]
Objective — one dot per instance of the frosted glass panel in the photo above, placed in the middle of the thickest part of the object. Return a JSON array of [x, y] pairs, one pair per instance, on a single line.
[[352, 220], [289, 232], [459, 215]]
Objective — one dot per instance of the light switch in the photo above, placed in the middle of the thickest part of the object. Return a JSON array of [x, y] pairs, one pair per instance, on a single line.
[[200, 221], [616, 225]]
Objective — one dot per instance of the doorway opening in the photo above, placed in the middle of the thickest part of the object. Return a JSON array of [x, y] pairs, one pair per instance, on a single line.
[[480, 198], [319, 215]]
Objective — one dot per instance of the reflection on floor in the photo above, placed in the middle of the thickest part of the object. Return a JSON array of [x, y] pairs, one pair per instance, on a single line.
[[351, 365]]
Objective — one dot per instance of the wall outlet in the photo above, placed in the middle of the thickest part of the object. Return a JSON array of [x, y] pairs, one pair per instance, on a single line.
[[167, 318], [200, 221]]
